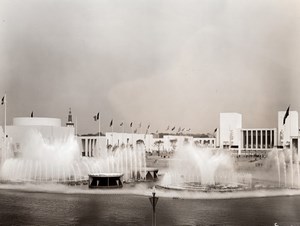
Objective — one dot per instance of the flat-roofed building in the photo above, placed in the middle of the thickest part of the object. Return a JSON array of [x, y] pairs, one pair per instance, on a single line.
[[229, 131]]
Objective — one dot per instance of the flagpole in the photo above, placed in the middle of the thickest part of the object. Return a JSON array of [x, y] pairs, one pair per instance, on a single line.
[[286, 138], [123, 133], [285, 127], [76, 126], [112, 132], [132, 135], [99, 134], [290, 138], [99, 129], [149, 142], [5, 146], [5, 118], [147, 131]]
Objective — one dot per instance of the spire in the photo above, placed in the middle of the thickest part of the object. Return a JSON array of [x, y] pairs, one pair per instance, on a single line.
[[70, 121]]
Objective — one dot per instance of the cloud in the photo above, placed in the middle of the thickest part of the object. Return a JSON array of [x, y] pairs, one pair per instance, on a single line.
[[242, 62], [164, 62]]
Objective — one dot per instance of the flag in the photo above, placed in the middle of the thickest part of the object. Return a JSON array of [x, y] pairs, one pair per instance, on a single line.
[[121, 124], [131, 124], [173, 128], [111, 123], [286, 114], [31, 115], [3, 100], [168, 128], [96, 117]]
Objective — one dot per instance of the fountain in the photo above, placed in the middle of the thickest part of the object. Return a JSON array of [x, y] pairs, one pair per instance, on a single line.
[[59, 161], [196, 168], [287, 164]]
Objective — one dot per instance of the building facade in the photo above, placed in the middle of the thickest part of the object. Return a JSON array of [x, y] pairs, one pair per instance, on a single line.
[[232, 136], [229, 136], [258, 140]]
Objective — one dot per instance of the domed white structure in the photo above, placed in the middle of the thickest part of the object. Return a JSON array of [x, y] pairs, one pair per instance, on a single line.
[[49, 128], [36, 121]]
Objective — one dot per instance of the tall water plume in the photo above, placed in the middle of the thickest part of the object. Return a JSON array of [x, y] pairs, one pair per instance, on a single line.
[[203, 166], [287, 164], [59, 160]]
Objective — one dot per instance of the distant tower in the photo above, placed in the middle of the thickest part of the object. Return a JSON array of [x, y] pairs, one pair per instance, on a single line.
[[70, 122]]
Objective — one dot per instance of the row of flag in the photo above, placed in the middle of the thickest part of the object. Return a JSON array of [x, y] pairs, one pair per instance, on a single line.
[[97, 117], [180, 130]]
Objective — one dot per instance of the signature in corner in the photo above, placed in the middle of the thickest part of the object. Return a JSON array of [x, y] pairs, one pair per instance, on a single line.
[[275, 224]]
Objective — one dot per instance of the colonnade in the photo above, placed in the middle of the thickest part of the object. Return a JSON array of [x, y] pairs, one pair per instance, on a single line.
[[257, 139]]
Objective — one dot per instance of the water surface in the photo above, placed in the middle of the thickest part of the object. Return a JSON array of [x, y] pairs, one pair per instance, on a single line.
[[35, 208]]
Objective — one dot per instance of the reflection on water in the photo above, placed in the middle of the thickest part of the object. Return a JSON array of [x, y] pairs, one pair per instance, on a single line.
[[19, 208]]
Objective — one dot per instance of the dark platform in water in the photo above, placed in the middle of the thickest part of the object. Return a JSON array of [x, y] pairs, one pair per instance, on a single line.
[[151, 174], [105, 180]]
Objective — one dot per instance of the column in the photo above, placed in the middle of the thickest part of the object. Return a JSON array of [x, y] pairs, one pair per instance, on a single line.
[[271, 138], [267, 139], [90, 146], [246, 139], [242, 141], [256, 139], [85, 147], [261, 139], [251, 135], [95, 147], [275, 137]]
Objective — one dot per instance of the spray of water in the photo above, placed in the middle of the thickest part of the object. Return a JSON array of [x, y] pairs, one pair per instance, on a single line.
[[202, 167], [59, 160], [287, 162]]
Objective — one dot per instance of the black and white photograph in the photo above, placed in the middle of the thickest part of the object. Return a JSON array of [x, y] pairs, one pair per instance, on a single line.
[[150, 112]]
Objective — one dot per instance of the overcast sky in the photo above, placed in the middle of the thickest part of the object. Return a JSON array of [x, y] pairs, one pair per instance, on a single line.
[[159, 62]]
